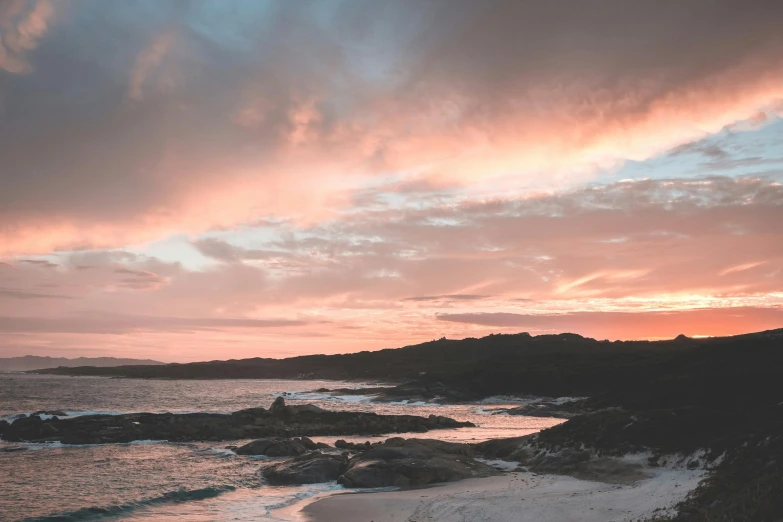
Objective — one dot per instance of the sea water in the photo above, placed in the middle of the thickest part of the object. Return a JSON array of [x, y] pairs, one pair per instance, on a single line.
[[158, 480]]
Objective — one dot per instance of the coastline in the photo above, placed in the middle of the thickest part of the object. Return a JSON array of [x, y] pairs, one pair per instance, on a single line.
[[519, 496]]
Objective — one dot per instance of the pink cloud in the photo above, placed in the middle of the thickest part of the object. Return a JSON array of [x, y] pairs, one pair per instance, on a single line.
[[388, 278], [298, 123]]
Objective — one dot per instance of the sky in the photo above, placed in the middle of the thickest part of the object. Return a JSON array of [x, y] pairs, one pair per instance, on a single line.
[[198, 180]]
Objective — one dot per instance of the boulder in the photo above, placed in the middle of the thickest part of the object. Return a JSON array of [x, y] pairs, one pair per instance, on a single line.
[[413, 464], [439, 446], [308, 443], [278, 407], [29, 421], [355, 446], [310, 468], [275, 447]]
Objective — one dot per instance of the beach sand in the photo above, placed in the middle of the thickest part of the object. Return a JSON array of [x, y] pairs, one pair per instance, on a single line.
[[519, 497]]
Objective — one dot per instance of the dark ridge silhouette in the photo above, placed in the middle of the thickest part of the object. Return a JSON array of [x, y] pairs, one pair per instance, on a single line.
[[35, 362], [682, 369]]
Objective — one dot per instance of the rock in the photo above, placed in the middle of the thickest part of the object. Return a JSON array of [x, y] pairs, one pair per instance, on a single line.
[[442, 421], [30, 420], [516, 448], [310, 468], [50, 429], [439, 446], [4, 425], [403, 464], [278, 407], [280, 421], [273, 447], [308, 443], [361, 446]]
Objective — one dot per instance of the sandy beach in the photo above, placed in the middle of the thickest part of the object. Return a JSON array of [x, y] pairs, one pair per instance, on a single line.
[[517, 496]]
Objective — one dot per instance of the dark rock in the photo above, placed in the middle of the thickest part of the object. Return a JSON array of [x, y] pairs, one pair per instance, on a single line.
[[360, 446], [308, 443], [273, 447], [408, 464], [439, 446], [310, 468], [280, 421], [516, 448], [30, 420], [278, 407], [547, 408], [581, 464]]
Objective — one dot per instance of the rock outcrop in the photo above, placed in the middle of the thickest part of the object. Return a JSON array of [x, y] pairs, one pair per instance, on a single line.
[[280, 421], [4, 426], [311, 468], [411, 463], [277, 447]]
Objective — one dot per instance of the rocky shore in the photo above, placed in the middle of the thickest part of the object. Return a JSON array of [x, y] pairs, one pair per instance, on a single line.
[[397, 462], [279, 420]]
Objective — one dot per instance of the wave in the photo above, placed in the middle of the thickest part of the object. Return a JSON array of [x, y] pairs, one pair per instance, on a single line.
[[317, 396], [58, 444], [527, 399], [352, 399], [10, 417], [98, 512]]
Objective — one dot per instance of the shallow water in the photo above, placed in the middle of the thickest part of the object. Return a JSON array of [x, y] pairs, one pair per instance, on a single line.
[[157, 480]]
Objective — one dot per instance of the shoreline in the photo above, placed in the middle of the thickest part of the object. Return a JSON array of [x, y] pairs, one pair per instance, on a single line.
[[521, 496]]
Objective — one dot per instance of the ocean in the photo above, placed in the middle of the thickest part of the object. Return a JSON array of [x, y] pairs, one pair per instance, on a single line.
[[158, 480]]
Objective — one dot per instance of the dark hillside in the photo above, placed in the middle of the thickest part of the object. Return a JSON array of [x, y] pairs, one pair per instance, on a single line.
[[671, 372]]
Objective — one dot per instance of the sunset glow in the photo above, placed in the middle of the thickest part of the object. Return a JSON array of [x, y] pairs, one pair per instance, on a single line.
[[264, 179]]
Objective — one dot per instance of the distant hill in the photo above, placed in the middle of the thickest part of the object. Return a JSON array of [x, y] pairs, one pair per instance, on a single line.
[[34, 362], [552, 365]]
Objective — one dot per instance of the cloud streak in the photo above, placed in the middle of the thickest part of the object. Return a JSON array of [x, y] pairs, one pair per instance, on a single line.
[[622, 325]]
